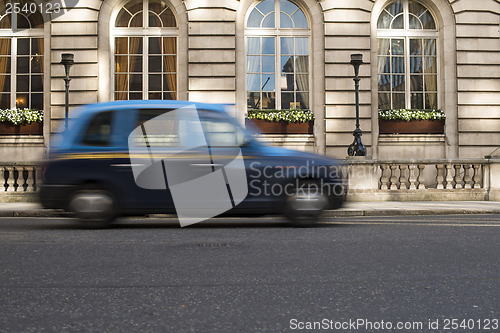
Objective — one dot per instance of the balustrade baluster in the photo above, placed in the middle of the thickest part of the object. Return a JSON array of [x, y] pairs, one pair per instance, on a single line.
[[449, 177], [458, 177], [402, 177], [477, 177], [383, 177], [29, 179], [420, 178], [467, 177], [393, 179], [440, 176], [413, 177], [10, 181]]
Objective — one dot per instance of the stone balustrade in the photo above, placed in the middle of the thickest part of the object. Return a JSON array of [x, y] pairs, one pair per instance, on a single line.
[[369, 180]]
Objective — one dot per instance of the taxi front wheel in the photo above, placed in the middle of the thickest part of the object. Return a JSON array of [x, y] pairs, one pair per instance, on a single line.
[[305, 204], [93, 206]]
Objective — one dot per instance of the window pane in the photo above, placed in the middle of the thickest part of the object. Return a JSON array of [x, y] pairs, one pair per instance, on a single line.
[[170, 95], [416, 83], [253, 46], [253, 82], [416, 65], [398, 22], [37, 101], [268, 45], [287, 82], [302, 82], [155, 63], [123, 18], [135, 95], [168, 18], [36, 64], [37, 46], [415, 23], [302, 64], [5, 22], [121, 45], [397, 46], [287, 101], [23, 83], [253, 100], [268, 64], [299, 19], [384, 101], [4, 101], [431, 101], [253, 64], [135, 45], [155, 95], [136, 21], [398, 65], [384, 21], [22, 22], [430, 65], [22, 101], [23, 46], [268, 21], [287, 64], [268, 83], [23, 64], [384, 46], [154, 45], [121, 64], [302, 46], [169, 45], [170, 64], [268, 100], [154, 21], [285, 21], [384, 65], [398, 101], [136, 82], [170, 82], [384, 83], [155, 82], [288, 7], [302, 100], [428, 21], [286, 45], [395, 8], [5, 46], [36, 83], [430, 47], [416, 8], [135, 64], [415, 47], [430, 83], [266, 6], [417, 101], [5, 83], [398, 83], [121, 82], [254, 19]]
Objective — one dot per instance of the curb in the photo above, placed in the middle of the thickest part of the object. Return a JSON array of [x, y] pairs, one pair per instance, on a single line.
[[49, 213]]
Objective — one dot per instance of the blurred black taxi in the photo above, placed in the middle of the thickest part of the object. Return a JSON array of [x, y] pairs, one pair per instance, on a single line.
[[129, 158]]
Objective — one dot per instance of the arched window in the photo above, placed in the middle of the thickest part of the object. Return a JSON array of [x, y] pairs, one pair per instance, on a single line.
[[21, 58], [407, 57], [277, 63], [145, 51]]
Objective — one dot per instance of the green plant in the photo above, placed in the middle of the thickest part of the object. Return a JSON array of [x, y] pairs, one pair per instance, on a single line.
[[21, 116], [290, 116], [411, 114]]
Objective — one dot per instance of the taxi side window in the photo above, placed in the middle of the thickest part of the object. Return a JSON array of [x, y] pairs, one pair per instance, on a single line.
[[159, 131], [98, 132]]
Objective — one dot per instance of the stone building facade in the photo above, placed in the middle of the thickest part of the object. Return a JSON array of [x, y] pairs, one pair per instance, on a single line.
[[277, 54]]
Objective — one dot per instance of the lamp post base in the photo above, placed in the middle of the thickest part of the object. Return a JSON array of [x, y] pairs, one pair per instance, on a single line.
[[357, 148]]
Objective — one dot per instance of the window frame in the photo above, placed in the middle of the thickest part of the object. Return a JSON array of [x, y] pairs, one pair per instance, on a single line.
[[277, 32], [14, 34], [144, 32], [408, 34]]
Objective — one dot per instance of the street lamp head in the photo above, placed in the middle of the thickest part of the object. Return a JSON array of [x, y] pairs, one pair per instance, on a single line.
[[356, 59], [67, 59]]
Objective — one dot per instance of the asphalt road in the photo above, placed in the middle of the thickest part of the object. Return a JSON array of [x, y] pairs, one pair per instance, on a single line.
[[358, 274]]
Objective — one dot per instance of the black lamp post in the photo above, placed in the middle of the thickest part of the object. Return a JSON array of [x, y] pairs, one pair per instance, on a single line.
[[67, 59], [357, 148]]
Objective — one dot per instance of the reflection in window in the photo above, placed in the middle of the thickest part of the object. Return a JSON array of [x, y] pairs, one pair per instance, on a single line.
[[277, 58], [21, 59], [145, 54], [407, 57]]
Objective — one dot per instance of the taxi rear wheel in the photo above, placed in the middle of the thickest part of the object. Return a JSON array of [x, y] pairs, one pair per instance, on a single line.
[[305, 204], [93, 206]]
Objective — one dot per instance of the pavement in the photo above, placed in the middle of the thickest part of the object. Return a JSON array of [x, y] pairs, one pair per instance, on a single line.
[[379, 208]]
